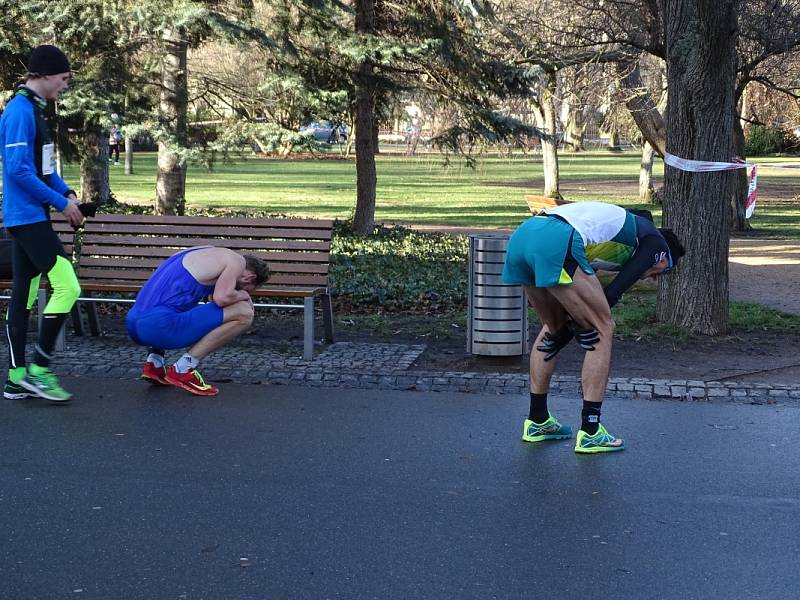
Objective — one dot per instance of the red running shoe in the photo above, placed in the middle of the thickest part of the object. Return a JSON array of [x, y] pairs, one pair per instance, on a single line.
[[192, 382], [154, 374]]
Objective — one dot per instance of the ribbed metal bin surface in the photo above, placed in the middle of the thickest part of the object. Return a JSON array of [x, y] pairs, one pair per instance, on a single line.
[[497, 315]]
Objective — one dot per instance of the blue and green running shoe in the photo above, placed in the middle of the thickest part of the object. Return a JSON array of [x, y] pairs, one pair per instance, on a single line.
[[601, 441], [43, 382], [551, 429]]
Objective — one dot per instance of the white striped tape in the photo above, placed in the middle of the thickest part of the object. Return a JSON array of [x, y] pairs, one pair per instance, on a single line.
[[706, 166]]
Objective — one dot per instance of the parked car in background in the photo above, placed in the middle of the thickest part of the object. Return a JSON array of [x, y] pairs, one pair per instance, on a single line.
[[327, 131]]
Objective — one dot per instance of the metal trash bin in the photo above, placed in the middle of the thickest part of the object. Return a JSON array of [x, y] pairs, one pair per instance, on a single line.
[[497, 314]]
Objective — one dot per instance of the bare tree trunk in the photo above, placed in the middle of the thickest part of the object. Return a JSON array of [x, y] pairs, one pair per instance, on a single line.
[[613, 138], [171, 178], [366, 175], [546, 120], [375, 141], [128, 155], [740, 185], [701, 76], [94, 168], [352, 136], [642, 107], [574, 129], [646, 190], [59, 162], [746, 112], [58, 142]]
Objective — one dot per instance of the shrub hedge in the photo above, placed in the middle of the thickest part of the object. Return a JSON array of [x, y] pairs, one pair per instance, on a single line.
[[770, 140]]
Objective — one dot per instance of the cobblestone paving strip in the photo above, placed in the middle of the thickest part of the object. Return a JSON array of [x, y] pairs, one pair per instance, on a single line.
[[384, 366]]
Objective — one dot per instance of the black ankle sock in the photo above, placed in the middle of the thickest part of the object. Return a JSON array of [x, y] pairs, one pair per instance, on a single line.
[[590, 417], [538, 412], [40, 357]]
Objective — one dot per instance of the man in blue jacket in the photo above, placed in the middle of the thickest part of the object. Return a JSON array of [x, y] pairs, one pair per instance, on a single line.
[[30, 187]]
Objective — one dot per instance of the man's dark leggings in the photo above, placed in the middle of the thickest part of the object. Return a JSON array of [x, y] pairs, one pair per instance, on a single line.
[[36, 250]]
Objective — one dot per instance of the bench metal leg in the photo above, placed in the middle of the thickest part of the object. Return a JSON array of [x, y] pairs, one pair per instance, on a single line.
[[61, 340], [77, 319], [41, 301], [327, 317], [91, 317], [61, 343], [308, 328]]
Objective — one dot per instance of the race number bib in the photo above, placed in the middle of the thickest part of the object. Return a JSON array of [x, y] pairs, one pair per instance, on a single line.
[[48, 153]]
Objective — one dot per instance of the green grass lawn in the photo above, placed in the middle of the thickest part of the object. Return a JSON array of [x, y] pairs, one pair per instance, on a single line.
[[412, 190], [422, 190]]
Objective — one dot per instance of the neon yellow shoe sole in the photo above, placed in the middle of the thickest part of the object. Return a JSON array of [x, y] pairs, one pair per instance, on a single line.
[[551, 429], [602, 441]]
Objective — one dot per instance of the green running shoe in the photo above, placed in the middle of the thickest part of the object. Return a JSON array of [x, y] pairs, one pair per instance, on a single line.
[[602, 441], [43, 382], [551, 429], [14, 391]]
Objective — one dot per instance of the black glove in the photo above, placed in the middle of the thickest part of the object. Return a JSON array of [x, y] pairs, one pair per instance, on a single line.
[[552, 344], [88, 209]]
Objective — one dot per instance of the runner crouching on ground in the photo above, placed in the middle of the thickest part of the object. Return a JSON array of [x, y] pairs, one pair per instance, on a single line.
[[166, 313], [554, 255]]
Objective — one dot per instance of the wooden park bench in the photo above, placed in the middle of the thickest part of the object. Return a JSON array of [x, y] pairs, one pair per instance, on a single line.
[[118, 253], [536, 204]]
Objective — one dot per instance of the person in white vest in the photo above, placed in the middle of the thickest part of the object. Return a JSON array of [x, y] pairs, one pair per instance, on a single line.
[[555, 255]]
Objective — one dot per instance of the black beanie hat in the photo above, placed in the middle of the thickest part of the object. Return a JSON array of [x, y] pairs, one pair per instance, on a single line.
[[48, 60]]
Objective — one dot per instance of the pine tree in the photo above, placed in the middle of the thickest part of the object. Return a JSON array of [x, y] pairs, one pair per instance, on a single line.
[[184, 24], [371, 51], [112, 45], [98, 36]]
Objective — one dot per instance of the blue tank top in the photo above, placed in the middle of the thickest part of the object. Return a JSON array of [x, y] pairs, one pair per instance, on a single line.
[[173, 286]]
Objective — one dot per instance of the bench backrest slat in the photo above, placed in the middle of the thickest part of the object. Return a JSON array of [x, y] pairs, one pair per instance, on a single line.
[[151, 264], [92, 237], [536, 204], [199, 230], [310, 224], [162, 252], [141, 275]]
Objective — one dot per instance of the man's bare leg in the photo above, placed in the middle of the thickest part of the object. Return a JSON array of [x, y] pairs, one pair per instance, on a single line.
[[540, 424], [235, 321], [585, 301], [553, 317], [541, 372]]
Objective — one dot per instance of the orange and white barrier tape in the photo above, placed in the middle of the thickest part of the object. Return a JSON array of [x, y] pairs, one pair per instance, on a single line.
[[706, 166]]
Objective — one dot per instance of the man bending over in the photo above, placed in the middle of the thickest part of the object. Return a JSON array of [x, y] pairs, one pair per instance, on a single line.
[[167, 313], [554, 256]]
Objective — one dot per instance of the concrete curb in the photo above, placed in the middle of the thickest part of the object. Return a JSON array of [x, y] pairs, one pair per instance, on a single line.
[[386, 366], [485, 383], [516, 384]]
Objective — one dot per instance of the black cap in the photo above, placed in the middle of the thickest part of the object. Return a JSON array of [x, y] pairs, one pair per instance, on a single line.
[[676, 249], [48, 60]]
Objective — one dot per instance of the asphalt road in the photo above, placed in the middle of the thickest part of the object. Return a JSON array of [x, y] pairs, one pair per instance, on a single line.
[[271, 492]]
